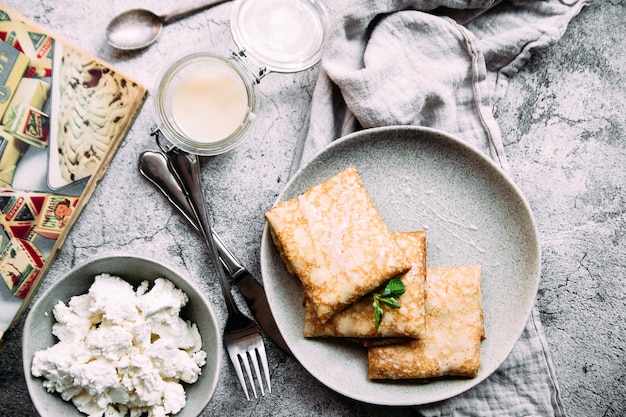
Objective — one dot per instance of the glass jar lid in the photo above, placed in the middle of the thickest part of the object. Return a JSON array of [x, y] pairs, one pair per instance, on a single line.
[[281, 35]]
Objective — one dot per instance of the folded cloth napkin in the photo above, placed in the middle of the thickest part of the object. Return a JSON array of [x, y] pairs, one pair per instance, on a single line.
[[441, 64]]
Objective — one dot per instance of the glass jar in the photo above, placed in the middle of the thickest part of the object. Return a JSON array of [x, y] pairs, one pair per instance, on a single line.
[[205, 104]]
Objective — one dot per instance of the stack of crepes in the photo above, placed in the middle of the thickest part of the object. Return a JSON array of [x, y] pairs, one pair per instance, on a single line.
[[335, 241]]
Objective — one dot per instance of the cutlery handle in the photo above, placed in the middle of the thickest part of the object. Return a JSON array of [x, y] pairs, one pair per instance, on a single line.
[[188, 11], [229, 261], [154, 167], [185, 168]]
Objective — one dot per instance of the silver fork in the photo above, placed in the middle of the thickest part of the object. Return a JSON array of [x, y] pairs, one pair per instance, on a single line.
[[242, 335]]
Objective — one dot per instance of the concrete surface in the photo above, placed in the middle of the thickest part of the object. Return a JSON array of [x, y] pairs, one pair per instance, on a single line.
[[564, 128]]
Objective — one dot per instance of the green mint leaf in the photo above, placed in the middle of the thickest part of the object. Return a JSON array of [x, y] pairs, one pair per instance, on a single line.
[[394, 289], [378, 312], [391, 302]]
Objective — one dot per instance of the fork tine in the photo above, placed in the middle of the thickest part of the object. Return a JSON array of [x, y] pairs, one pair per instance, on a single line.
[[257, 372], [246, 365], [234, 358], [263, 356]]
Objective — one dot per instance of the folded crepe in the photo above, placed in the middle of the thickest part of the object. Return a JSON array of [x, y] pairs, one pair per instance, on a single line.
[[357, 320], [454, 330], [333, 238]]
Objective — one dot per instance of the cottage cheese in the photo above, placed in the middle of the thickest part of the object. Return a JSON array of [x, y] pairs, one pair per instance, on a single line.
[[122, 351]]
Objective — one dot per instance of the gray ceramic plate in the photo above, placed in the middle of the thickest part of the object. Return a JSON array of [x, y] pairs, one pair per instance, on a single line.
[[420, 179], [38, 325]]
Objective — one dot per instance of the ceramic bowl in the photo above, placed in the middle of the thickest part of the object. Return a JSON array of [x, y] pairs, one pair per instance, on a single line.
[[38, 327]]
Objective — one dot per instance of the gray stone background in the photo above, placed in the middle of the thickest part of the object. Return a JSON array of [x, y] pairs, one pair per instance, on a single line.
[[564, 128]]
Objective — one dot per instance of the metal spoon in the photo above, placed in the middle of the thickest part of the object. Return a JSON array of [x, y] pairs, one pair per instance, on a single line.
[[138, 28]]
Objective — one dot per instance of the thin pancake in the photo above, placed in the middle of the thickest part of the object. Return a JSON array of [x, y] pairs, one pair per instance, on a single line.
[[357, 320], [333, 238], [454, 328]]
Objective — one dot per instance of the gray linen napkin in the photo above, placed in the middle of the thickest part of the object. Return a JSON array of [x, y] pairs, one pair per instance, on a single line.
[[441, 64]]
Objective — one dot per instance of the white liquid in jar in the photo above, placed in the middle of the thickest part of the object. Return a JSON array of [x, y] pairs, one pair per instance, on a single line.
[[210, 103]]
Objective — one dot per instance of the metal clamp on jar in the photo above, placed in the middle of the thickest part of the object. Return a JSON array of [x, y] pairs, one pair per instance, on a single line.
[[205, 104]]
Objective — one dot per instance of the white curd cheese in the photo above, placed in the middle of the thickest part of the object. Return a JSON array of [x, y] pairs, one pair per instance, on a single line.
[[122, 351]]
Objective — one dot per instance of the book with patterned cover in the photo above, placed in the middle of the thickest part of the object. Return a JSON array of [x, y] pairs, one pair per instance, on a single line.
[[63, 114]]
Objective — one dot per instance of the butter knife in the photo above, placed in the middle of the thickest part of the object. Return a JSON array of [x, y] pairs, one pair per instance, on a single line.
[[154, 167]]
